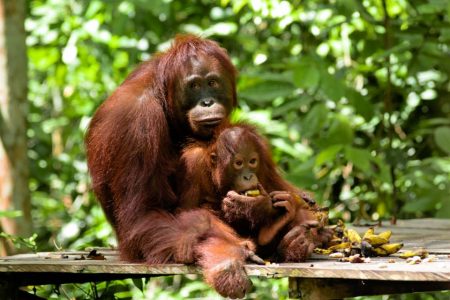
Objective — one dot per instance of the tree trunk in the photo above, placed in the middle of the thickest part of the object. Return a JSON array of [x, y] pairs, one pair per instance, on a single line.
[[14, 169]]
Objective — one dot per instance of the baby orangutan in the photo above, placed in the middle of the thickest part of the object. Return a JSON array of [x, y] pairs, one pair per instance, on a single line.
[[236, 177]]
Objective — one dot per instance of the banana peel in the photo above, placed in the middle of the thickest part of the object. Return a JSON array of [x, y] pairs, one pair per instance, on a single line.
[[375, 240], [422, 253], [341, 246], [392, 248], [387, 249], [385, 234], [353, 236]]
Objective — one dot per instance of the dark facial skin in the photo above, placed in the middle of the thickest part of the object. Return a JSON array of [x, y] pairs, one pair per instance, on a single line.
[[243, 167], [205, 95]]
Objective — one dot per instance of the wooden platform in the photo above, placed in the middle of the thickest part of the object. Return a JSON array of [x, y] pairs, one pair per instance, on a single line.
[[319, 278]]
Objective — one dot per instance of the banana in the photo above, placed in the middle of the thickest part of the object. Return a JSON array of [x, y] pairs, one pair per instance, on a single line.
[[392, 248], [369, 231], [374, 239], [422, 253], [252, 193], [334, 241], [385, 234], [321, 216], [380, 251], [341, 246], [353, 236], [322, 251]]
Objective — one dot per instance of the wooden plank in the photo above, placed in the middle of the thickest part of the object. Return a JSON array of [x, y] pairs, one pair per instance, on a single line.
[[66, 266], [377, 269]]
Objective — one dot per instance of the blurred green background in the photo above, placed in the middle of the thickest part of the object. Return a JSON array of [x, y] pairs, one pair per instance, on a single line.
[[353, 95]]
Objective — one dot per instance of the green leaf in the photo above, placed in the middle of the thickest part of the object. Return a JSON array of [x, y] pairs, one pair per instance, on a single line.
[[282, 145], [442, 138], [306, 74], [267, 91], [340, 132], [10, 213], [327, 155], [139, 283], [332, 87], [314, 120], [361, 104], [423, 204], [302, 174], [359, 157], [382, 170], [444, 211]]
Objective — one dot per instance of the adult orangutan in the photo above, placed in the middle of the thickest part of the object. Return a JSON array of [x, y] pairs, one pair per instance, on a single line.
[[230, 176], [133, 146]]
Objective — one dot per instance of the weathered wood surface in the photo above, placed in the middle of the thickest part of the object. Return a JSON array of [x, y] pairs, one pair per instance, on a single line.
[[317, 267], [434, 235]]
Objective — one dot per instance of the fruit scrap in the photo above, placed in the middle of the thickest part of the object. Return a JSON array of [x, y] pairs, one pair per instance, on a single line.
[[430, 258], [337, 255], [414, 260], [422, 253], [356, 259], [321, 215]]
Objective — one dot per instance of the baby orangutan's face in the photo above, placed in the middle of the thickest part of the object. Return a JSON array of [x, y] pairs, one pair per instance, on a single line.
[[244, 167]]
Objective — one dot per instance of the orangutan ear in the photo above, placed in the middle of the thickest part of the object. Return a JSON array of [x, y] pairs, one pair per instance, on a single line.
[[214, 158]]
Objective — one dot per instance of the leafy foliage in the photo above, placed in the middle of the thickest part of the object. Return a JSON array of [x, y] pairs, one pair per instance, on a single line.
[[353, 96]]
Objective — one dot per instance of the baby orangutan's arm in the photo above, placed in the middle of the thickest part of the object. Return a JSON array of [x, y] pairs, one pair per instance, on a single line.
[[256, 209], [282, 200]]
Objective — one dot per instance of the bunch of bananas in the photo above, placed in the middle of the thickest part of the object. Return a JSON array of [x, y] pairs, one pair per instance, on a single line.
[[349, 242]]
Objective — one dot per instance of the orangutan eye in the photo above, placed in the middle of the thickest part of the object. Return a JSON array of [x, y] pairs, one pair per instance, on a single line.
[[194, 85], [253, 162], [213, 83], [238, 164]]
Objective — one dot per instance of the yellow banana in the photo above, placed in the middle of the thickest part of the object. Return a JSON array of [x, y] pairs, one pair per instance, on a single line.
[[380, 251], [392, 248], [422, 253], [341, 246], [353, 236], [369, 231], [334, 241], [407, 254], [374, 239], [322, 251], [252, 193], [385, 234]]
